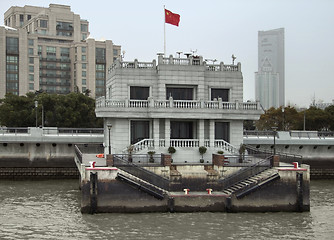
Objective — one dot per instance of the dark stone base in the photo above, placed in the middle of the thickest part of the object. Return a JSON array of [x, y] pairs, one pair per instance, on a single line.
[[32, 173]]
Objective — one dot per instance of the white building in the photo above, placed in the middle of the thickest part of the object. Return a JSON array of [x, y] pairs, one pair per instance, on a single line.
[[179, 102], [270, 78]]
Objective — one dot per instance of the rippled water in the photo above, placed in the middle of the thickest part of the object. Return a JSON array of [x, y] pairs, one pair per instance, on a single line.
[[51, 210]]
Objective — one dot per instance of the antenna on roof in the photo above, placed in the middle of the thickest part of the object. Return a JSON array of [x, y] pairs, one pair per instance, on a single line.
[[233, 58]]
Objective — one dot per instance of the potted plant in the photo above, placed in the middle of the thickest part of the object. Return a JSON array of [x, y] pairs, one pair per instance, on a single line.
[[202, 150], [151, 153], [130, 150], [221, 152], [242, 150], [171, 150]]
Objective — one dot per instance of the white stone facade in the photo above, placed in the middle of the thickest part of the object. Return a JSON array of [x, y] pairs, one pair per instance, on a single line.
[[204, 107]]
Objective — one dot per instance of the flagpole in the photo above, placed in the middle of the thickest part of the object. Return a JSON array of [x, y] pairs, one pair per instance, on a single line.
[[164, 31]]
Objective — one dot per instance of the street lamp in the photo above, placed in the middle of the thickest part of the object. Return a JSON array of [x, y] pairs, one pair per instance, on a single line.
[[283, 123], [109, 128], [275, 130], [36, 105]]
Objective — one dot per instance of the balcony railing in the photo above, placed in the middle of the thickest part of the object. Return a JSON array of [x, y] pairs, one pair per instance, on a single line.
[[183, 143], [184, 104]]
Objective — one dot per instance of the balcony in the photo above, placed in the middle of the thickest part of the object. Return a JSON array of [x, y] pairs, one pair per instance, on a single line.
[[186, 109]]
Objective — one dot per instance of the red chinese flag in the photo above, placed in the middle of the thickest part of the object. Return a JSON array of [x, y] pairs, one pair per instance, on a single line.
[[172, 18]]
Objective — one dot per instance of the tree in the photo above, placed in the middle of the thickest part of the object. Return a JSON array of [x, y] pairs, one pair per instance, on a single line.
[[286, 120], [330, 111], [316, 119], [71, 110]]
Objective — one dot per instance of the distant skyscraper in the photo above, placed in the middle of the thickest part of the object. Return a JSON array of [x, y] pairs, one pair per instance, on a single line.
[[270, 78]]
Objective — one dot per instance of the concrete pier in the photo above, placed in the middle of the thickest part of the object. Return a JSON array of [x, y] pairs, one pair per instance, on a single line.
[[287, 191]]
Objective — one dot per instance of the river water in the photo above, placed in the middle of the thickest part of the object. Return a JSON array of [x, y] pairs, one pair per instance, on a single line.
[[51, 210]]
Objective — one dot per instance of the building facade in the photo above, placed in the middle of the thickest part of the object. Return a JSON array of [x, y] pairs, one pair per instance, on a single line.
[[49, 49], [270, 78], [179, 102]]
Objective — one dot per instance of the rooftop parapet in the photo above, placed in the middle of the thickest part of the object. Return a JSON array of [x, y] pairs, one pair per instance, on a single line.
[[189, 61]]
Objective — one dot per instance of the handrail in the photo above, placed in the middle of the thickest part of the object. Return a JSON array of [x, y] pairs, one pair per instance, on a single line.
[[287, 156], [245, 173], [140, 172]]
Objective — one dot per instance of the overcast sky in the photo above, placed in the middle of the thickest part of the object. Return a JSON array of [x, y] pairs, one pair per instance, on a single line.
[[218, 29]]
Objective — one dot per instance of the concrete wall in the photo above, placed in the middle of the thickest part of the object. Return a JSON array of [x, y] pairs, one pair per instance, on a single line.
[[284, 194]]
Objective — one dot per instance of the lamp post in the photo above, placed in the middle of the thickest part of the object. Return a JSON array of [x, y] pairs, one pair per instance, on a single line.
[[275, 130], [283, 123], [36, 105], [109, 146]]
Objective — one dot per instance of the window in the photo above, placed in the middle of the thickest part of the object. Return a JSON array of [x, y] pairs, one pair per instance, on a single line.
[[31, 68], [67, 26], [31, 60], [43, 23], [31, 86], [100, 75], [50, 50], [83, 81], [219, 93], [39, 50], [181, 130], [100, 83], [83, 58], [28, 17], [31, 42], [12, 67], [139, 131], [12, 59], [99, 67], [12, 45], [84, 73], [31, 51], [180, 93], [12, 76], [100, 54], [84, 66], [83, 36], [222, 131], [84, 28], [21, 19], [31, 77], [115, 52], [83, 49], [139, 93]]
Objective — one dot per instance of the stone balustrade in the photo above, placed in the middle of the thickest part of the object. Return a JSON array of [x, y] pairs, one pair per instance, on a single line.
[[191, 60], [171, 103]]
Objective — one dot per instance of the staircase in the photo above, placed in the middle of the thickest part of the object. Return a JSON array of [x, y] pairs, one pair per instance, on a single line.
[[142, 185], [251, 184], [141, 178]]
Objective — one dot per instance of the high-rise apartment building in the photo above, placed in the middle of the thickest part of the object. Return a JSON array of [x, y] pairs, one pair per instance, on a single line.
[[49, 49], [270, 78]]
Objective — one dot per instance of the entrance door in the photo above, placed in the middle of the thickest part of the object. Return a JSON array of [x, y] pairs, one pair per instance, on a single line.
[[139, 131], [181, 130], [222, 131]]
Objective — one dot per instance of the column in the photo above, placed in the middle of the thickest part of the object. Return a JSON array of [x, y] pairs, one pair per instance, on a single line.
[[156, 132], [201, 132], [167, 132], [212, 133]]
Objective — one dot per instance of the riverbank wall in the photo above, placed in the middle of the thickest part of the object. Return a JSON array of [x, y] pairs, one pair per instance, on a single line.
[[103, 191]]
